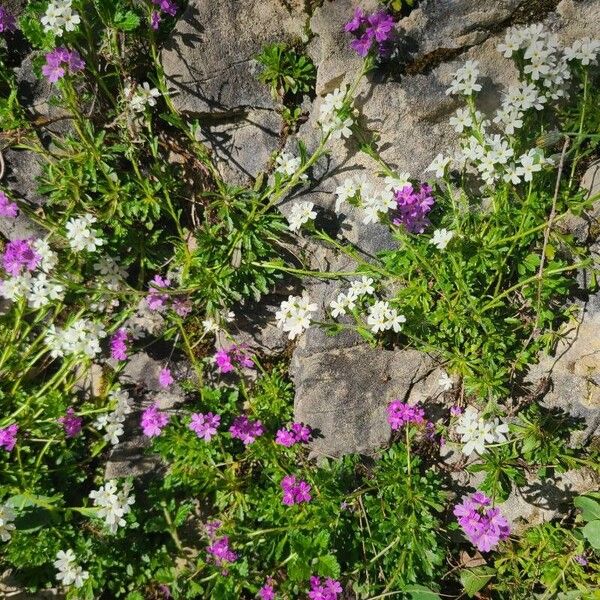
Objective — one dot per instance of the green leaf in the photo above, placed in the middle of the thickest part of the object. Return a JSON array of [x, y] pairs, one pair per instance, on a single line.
[[127, 21], [591, 533], [590, 508], [420, 592], [475, 579]]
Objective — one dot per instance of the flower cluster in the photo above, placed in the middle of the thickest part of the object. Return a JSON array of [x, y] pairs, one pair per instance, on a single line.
[[267, 591], [205, 425], [71, 423], [8, 23], [381, 317], [80, 337], [165, 378], [476, 432], [372, 32], [287, 165], [347, 301], [118, 344], [220, 552], [293, 315], [141, 97], [20, 256], [80, 234], [336, 115], [69, 572], [153, 421], [60, 17], [59, 61], [113, 504], [465, 79], [8, 208], [483, 525], [295, 491], [400, 414], [164, 6], [245, 430], [301, 213], [296, 434], [412, 207], [329, 589], [227, 359], [112, 423], [159, 301], [441, 238], [7, 516]]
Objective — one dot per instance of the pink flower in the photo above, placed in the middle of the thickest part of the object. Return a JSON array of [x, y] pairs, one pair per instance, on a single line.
[[212, 527], [327, 590], [165, 379], [8, 437], [295, 491], [455, 411], [223, 361], [182, 307], [221, 552], [8, 23], [205, 426], [245, 430], [357, 20], [71, 423], [153, 421], [296, 434], [19, 255], [401, 414], [118, 345], [155, 20], [155, 300], [413, 207], [227, 359], [266, 592], [7, 208], [58, 61]]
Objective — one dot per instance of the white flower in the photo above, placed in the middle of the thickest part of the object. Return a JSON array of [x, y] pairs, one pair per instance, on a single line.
[[382, 318], [465, 79], [142, 97], [341, 304], [348, 189], [475, 432], [16, 287], [445, 382], [512, 43], [474, 150], [376, 205], [70, 19], [42, 291], [49, 259], [512, 175], [462, 120], [7, 516], [330, 119], [113, 504], [301, 213], [287, 165], [584, 50], [438, 165], [81, 236], [293, 315], [80, 337], [441, 238], [59, 17], [364, 287], [530, 163], [69, 573], [210, 325], [397, 182]]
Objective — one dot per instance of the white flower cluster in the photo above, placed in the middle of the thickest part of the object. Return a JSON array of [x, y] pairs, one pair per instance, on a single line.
[[333, 117], [301, 213], [211, 325], [347, 301], [112, 423], [441, 238], [140, 97], [69, 572], [37, 288], [287, 165], [293, 315], [585, 51], [113, 504], [475, 432], [60, 17], [465, 79], [81, 236], [7, 516], [80, 337], [111, 277], [374, 203], [438, 165], [381, 317]]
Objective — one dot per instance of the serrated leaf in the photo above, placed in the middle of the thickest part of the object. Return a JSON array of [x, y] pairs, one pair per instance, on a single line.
[[126, 21]]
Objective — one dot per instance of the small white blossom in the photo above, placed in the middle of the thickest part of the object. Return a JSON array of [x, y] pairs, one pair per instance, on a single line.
[[7, 516], [397, 182], [347, 190], [343, 303], [113, 504], [441, 238], [293, 315], [301, 213], [476, 432], [381, 317], [69, 573], [438, 165], [364, 287], [530, 163], [81, 236], [465, 79], [287, 165], [142, 97], [376, 205]]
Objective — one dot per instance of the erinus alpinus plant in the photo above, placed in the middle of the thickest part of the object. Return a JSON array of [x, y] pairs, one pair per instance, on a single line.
[[133, 249]]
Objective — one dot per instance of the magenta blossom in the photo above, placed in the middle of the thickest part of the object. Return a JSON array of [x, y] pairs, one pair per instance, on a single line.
[[153, 421], [205, 425], [155, 300], [483, 525], [221, 552], [245, 430], [372, 32], [227, 360], [413, 207], [267, 592], [401, 414], [7, 208], [155, 20], [381, 25], [297, 433], [118, 344], [165, 379], [71, 423], [326, 590], [212, 527], [167, 6], [8, 437], [455, 411], [295, 491], [59, 61], [8, 23], [19, 255]]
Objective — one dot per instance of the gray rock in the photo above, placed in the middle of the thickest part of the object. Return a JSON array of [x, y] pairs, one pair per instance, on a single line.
[[11, 590], [209, 60]]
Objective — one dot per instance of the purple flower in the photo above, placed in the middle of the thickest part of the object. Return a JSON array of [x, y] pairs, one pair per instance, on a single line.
[[165, 591], [327, 590], [371, 32], [165, 379], [295, 491], [205, 426], [381, 25], [8, 437], [223, 362], [7, 208], [221, 552], [212, 527], [245, 430], [71, 423], [455, 411], [153, 421], [7, 21], [483, 525], [226, 359], [118, 345], [413, 207], [296, 434], [19, 255], [58, 61], [401, 414], [182, 307], [362, 45], [266, 592], [358, 20], [167, 6], [582, 560], [155, 20], [155, 300]]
